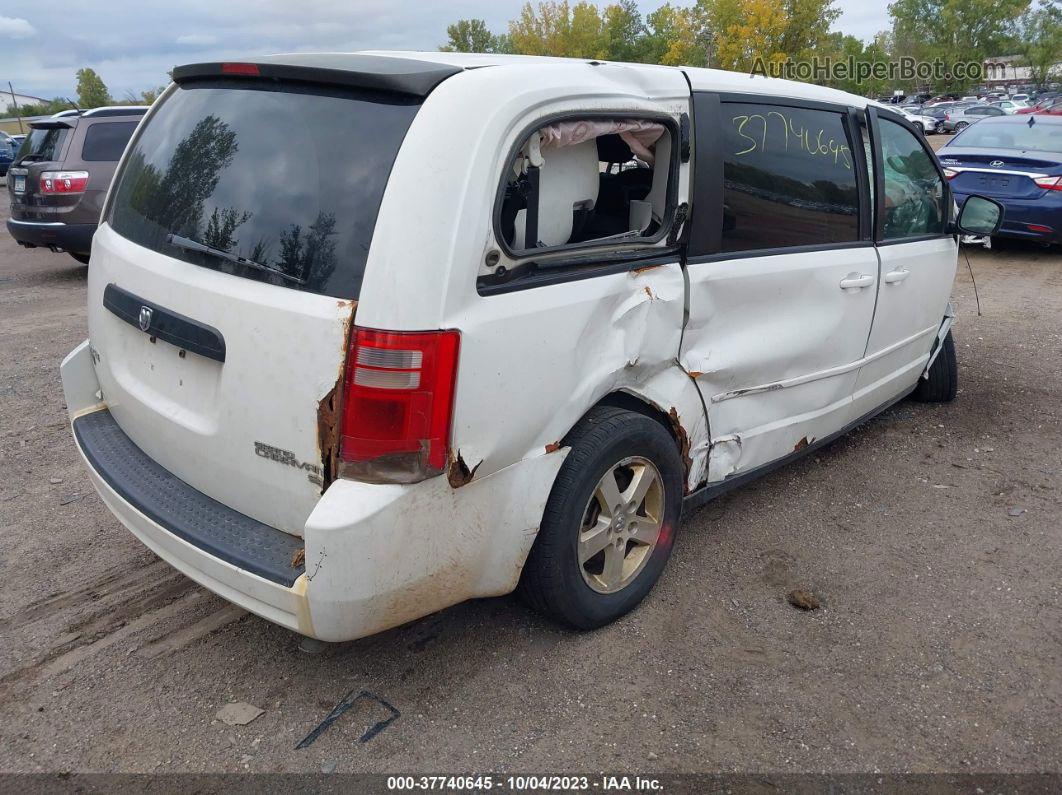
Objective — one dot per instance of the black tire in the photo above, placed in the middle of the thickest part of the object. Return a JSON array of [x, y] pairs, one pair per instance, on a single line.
[[943, 381], [82, 258], [553, 581], [962, 125]]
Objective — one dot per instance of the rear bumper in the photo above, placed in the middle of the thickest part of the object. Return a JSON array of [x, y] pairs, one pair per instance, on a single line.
[[376, 556], [1020, 214], [76, 238]]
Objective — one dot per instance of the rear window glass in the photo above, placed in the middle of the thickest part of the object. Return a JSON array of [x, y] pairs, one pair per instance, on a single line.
[[788, 178], [106, 140], [273, 182], [990, 134], [43, 144]]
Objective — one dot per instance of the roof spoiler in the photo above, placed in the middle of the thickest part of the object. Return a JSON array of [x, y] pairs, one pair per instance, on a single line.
[[51, 124], [373, 72]]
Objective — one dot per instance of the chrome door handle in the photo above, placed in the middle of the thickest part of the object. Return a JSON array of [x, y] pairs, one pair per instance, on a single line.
[[894, 277], [855, 281]]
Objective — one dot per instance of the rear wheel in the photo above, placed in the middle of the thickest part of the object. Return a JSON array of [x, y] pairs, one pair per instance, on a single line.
[[942, 382], [962, 125], [610, 521]]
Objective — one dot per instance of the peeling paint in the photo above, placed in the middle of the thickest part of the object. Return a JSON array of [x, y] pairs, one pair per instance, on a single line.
[[649, 293], [695, 374], [801, 445], [553, 447], [298, 558], [328, 408], [644, 269], [684, 446], [458, 472], [723, 457]]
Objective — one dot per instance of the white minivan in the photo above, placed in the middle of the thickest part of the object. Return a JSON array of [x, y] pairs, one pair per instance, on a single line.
[[371, 334]]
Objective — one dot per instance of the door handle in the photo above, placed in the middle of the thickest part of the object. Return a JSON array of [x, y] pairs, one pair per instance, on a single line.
[[856, 281], [894, 277]]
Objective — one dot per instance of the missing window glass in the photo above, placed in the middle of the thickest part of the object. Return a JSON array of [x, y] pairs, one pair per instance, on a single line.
[[588, 182]]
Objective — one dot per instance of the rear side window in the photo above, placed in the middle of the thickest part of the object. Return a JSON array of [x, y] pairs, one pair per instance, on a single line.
[[275, 182], [106, 140], [914, 202], [43, 144], [789, 178]]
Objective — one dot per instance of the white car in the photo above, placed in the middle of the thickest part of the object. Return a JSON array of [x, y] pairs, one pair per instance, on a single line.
[[371, 334], [1008, 106], [927, 124]]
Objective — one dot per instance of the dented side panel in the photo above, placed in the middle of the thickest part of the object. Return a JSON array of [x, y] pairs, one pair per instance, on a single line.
[[775, 345]]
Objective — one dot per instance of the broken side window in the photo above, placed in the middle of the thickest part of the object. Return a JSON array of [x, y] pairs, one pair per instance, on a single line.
[[587, 182]]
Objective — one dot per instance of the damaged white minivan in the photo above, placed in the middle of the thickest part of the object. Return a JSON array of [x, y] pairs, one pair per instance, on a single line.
[[372, 334]]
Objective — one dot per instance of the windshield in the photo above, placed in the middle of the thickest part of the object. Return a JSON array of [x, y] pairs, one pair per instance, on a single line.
[[273, 182], [43, 144], [1036, 138]]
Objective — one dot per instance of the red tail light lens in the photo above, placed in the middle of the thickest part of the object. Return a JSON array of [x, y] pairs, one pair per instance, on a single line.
[[950, 173], [1049, 183], [398, 404], [64, 181]]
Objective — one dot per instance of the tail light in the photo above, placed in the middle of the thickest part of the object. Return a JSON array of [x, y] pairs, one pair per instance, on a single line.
[[64, 181], [947, 117], [950, 173], [1048, 183], [1040, 228], [398, 404]]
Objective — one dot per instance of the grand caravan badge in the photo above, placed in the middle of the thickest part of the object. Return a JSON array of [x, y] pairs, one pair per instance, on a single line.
[[314, 473]]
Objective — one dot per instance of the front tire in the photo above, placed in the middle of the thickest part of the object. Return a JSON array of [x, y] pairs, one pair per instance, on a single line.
[[609, 523], [943, 382]]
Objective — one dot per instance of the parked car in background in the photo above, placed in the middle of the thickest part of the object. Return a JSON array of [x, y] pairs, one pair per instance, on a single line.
[[927, 124], [384, 272], [1008, 106], [61, 174], [18, 139], [1019, 98], [7, 152], [960, 118], [1042, 105], [1018, 162]]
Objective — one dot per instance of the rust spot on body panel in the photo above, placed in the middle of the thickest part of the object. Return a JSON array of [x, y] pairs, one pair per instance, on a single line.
[[458, 473], [328, 409], [684, 446], [553, 447], [298, 558], [801, 445], [644, 268]]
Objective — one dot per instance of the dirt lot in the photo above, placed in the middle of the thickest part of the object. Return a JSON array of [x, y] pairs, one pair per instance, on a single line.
[[932, 534]]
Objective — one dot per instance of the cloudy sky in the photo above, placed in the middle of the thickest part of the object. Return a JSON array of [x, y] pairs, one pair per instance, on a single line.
[[132, 43]]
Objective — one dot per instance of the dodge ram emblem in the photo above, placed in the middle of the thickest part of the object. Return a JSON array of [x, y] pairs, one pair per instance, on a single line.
[[145, 317]]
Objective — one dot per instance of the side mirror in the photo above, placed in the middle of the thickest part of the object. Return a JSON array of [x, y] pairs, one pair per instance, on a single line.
[[980, 216]]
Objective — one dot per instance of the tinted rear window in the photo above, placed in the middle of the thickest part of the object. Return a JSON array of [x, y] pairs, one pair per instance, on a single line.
[[284, 181], [43, 144], [106, 140]]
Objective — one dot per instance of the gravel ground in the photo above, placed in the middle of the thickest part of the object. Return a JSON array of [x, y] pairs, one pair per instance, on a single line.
[[932, 536]]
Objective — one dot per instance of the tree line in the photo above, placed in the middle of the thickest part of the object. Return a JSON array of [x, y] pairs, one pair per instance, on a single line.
[[92, 92], [737, 34]]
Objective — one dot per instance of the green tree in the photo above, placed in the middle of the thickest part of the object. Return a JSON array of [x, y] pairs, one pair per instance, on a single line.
[[1038, 38], [624, 32], [746, 30], [468, 35], [91, 91], [46, 108], [953, 31]]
